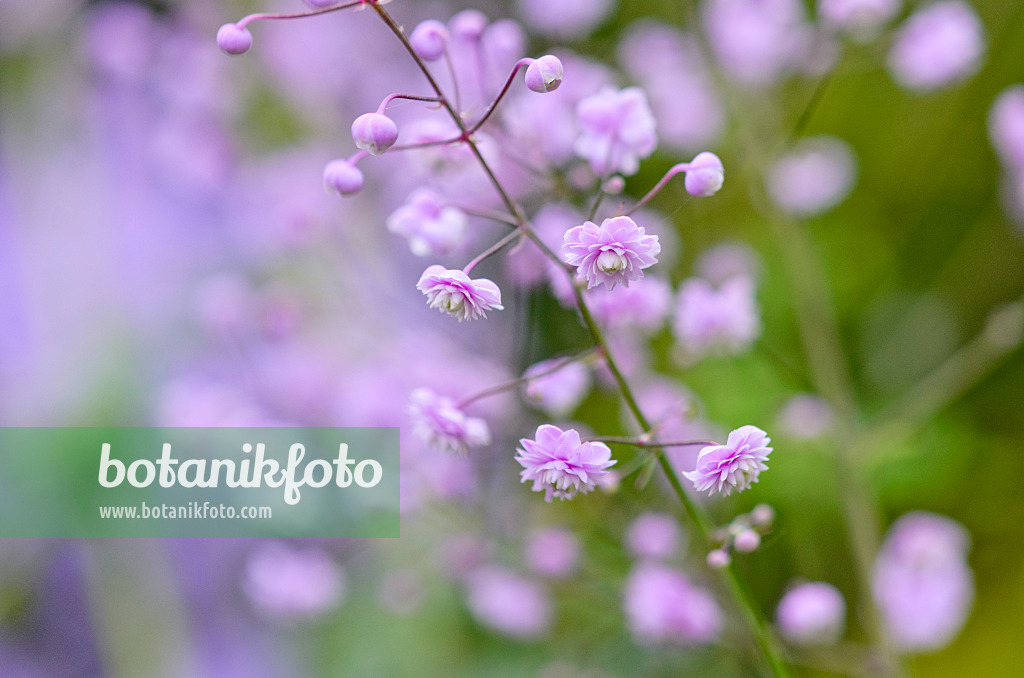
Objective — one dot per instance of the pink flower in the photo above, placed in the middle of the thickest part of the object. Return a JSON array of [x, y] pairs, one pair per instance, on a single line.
[[560, 464], [614, 252], [431, 226], [937, 45], [292, 584], [735, 465], [641, 307], [616, 130], [653, 535], [559, 390], [725, 319], [812, 613], [553, 552], [507, 603], [662, 606], [440, 423], [452, 292], [922, 582]]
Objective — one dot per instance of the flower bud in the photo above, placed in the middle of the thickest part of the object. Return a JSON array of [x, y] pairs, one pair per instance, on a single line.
[[719, 559], [428, 40], [705, 175], [747, 541], [468, 24], [234, 39], [374, 132], [343, 177], [544, 74], [762, 515]]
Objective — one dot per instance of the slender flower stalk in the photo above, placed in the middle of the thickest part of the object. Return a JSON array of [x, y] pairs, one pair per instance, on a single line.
[[515, 383]]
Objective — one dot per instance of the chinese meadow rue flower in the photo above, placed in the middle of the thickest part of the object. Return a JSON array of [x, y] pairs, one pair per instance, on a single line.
[[440, 423], [754, 40], [566, 18], [662, 606], [429, 39], [861, 19], [805, 417], [723, 319], [653, 535], [812, 178], [735, 465], [1006, 127], [939, 44], [614, 252], [451, 291], [508, 603], [616, 130], [562, 465], [922, 583], [553, 552], [813, 613], [292, 584], [431, 226], [557, 391], [641, 307], [704, 176]]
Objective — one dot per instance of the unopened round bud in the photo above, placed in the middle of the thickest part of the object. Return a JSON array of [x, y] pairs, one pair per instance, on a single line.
[[343, 177], [234, 39], [705, 176], [428, 40], [544, 74], [468, 24], [374, 132], [719, 559], [614, 186], [762, 515], [747, 541]]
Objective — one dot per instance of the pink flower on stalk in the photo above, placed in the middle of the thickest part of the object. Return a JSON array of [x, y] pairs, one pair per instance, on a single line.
[[735, 465], [616, 130], [614, 252], [562, 465], [451, 291], [439, 422]]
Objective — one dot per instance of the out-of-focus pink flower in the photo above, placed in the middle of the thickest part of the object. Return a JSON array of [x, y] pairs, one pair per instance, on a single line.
[[558, 391], [432, 227], [616, 130], [813, 177], [937, 45], [560, 464], [756, 41], [642, 306], [662, 606], [805, 417], [922, 583], [440, 423], [565, 19], [614, 253], [735, 465], [711, 320], [292, 584], [1006, 127], [728, 260], [553, 552], [653, 535], [812, 613], [860, 19], [507, 603], [671, 68]]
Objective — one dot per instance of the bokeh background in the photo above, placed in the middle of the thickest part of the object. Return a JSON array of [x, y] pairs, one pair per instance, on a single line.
[[168, 256]]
